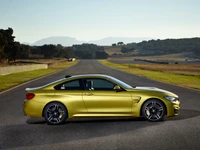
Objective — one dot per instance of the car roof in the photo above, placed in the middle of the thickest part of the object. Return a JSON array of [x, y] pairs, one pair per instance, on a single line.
[[82, 76], [113, 79], [89, 75]]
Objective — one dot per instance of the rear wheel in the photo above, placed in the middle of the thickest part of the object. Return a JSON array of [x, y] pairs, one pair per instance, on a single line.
[[55, 113], [153, 110]]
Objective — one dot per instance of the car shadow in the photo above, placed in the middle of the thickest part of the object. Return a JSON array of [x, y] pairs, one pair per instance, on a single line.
[[185, 114], [36, 120], [104, 119]]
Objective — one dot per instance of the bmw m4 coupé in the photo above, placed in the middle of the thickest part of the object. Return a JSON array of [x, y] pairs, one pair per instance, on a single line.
[[95, 95]]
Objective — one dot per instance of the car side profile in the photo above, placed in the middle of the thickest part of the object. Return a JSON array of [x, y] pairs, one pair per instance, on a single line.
[[97, 95]]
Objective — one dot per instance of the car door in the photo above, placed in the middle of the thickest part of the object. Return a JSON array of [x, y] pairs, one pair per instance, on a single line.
[[101, 98], [70, 93]]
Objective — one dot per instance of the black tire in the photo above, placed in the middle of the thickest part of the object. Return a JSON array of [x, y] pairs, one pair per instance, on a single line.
[[55, 113], [153, 110]]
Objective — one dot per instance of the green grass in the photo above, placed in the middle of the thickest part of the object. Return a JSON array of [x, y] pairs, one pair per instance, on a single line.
[[191, 81], [8, 81]]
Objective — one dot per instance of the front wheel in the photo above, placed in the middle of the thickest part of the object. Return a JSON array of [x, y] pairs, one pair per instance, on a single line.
[[153, 110], [55, 113]]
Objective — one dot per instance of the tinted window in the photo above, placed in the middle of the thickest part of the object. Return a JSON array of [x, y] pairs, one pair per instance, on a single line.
[[98, 84], [71, 85]]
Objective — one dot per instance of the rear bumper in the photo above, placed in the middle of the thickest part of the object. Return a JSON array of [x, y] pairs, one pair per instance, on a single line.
[[33, 108]]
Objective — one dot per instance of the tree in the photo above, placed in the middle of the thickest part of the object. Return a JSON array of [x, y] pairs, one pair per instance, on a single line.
[[127, 50], [8, 35], [114, 44], [101, 55], [168, 46], [196, 51], [24, 51], [120, 43], [3, 43], [59, 47], [6, 42], [12, 51], [66, 52], [49, 51], [89, 51]]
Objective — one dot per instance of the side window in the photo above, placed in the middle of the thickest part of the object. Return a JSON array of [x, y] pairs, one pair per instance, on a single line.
[[98, 84], [71, 85]]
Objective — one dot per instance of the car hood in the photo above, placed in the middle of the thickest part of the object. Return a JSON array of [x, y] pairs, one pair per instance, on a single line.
[[149, 88], [153, 89]]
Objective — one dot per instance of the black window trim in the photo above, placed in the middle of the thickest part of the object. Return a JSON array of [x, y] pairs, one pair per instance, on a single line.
[[100, 79], [58, 87]]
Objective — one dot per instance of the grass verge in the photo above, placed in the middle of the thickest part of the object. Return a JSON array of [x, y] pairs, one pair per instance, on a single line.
[[8, 81], [191, 81]]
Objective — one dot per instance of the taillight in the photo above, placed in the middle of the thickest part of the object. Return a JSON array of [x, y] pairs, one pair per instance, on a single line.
[[30, 96]]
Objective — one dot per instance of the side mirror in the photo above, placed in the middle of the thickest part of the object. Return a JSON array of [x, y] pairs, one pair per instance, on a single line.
[[117, 88]]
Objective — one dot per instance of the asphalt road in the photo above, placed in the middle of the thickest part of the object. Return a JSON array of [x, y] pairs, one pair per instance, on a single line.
[[21, 132]]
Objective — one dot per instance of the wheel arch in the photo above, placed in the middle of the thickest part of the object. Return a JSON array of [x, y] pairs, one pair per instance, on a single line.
[[153, 99], [55, 101]]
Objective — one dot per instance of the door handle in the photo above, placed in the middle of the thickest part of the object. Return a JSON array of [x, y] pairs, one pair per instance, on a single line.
[[88, 94]]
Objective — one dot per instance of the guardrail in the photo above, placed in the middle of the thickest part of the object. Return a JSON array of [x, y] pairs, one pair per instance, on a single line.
[[14, 69]]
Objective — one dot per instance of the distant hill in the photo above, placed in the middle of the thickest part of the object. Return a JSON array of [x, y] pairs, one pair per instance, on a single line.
[[26, 43], [68, 41], [125, 40], [63, 40], [166, 46]]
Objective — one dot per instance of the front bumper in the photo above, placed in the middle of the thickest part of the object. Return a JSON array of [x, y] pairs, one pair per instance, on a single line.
[[173, 108]]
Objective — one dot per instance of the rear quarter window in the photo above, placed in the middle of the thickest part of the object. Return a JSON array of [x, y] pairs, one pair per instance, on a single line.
[[70, 85]]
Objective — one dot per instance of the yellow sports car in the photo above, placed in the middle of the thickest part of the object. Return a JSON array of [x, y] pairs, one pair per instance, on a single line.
[[94, 95]]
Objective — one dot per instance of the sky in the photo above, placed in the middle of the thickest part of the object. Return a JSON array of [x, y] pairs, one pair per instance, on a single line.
[[87, 20]]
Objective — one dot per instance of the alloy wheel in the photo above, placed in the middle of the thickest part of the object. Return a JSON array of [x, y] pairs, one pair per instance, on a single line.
[[55, 113], [153, 110]]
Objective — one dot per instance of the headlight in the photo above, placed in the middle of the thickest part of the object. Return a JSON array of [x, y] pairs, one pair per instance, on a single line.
[[170, 98]]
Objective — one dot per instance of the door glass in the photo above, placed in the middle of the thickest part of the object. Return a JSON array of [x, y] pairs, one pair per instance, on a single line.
[[99, 84]]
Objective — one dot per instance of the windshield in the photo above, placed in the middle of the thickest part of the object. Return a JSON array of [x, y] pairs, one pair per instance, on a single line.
[[121, 83]]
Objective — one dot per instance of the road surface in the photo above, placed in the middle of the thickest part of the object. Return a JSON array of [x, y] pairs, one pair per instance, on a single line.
[[21, 132]]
